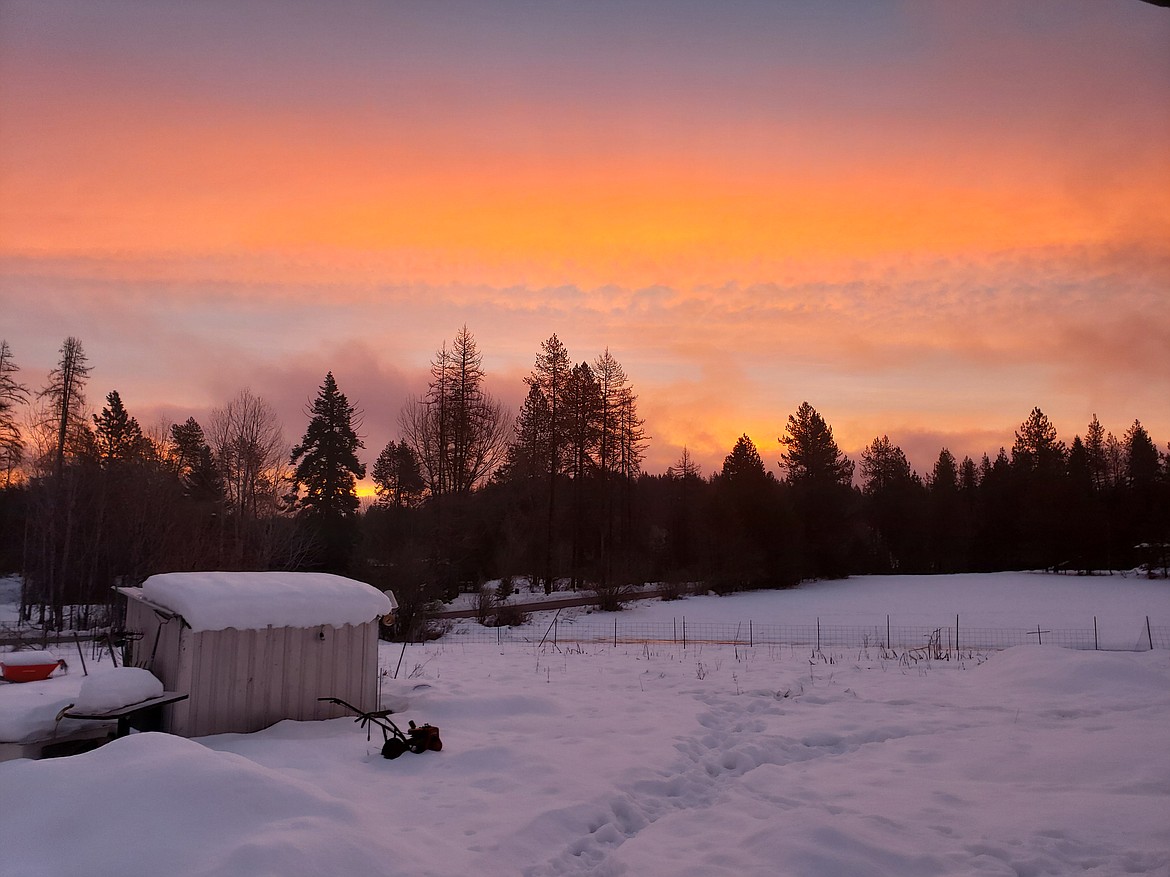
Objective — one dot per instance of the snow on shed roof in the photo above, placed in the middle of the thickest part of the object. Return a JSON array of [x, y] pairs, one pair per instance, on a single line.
[[255, 600]]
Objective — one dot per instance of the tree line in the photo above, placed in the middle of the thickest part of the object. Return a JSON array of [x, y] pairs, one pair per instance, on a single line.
[[554, 496]]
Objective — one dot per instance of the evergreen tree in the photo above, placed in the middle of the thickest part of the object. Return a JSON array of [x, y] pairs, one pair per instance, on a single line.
[[397, 479], [620, 443], [1147, 506], [1083, 545], [753, 535], [328, 468], [820, 477], [1095, 457], [949, 520], [895, 504], [811, 454], [687, 475], [584, 405], [883, 466], [1141, 457], [1037, 448], [528, 453], [1040, 491], [118, 435], [944, 477], [551, 375], [744, 465], [195, 463]]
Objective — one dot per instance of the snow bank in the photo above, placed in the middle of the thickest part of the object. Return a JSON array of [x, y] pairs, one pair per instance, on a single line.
[[152, 804], [119, 687], [255, 600]]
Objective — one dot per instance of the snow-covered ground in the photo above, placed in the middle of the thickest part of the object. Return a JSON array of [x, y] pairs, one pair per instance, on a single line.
[[659, 760]]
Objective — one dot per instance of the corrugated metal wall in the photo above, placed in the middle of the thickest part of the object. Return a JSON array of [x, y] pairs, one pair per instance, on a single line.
[[245, 680]]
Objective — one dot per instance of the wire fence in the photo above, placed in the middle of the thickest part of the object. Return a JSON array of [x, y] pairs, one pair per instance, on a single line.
[[817, 636]]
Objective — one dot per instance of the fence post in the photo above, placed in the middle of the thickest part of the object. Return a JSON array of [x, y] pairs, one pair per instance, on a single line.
[[615, 631], [956, 632], [1096, 645], [1149, 633], [751, 635], [889, 645], [818, 633], [684, 631], [675, 637], [1039, 639]]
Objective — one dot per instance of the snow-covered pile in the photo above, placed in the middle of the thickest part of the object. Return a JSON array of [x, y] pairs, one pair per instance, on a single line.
[[29, 710], [29, 714], [255, 600], [28, 658], [120, 687]]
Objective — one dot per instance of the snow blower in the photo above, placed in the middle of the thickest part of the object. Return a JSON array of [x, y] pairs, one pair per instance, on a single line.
[[418, 738]]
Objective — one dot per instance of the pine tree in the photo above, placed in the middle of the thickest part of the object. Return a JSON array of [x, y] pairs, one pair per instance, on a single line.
[[118, 435], [1037, 448], [744, 465], [811, 454], [528, 453], [820, 476], [194, 462], [1095, 455], [948, 523], [883, 466], [753, 534], [328, 468], [551, 375], [397, 479], [895, 505], [1141, 457], [687, 475], [944, 478]]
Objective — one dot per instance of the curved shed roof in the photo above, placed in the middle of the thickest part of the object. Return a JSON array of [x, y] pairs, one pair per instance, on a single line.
[[256, 600]]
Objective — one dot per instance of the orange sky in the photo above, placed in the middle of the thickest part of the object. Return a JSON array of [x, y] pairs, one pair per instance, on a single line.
[[924, 218]]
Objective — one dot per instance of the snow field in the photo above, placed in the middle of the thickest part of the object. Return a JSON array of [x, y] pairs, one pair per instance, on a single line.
[[607, 761], [657, 760]]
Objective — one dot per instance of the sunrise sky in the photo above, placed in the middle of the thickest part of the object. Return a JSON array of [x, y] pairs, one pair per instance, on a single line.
[[924, 218]]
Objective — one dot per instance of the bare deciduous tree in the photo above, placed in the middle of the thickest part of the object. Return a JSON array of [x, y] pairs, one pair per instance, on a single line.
[[457, 430], [12, 393], [248, 442]]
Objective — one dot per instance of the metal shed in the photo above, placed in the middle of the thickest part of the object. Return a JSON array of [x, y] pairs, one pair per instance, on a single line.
[[253, 648]]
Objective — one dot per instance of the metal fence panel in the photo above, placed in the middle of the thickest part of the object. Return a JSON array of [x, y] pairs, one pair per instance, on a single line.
[[945, 637]]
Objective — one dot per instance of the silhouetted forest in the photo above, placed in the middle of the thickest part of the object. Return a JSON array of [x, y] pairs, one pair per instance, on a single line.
[[553, 497]]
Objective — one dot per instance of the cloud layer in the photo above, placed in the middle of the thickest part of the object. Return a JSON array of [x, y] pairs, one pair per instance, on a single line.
[[923, 219]]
